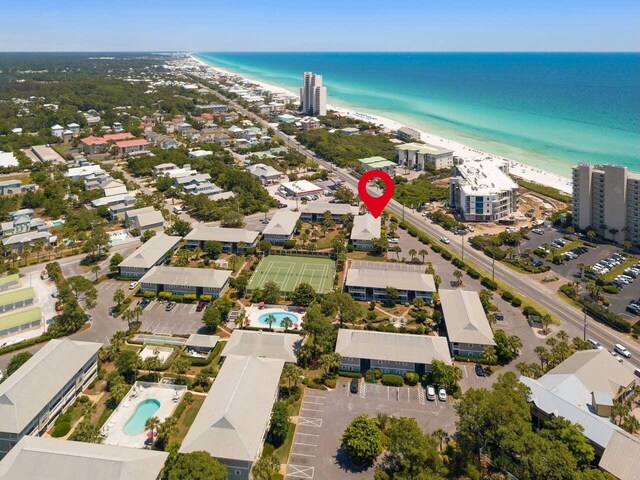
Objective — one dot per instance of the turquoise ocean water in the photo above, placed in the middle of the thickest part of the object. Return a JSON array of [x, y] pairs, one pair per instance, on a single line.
[[549, 110]]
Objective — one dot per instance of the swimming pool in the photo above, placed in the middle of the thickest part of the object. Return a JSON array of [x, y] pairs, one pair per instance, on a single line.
[[57, 223], [262, 319], [144, 411]]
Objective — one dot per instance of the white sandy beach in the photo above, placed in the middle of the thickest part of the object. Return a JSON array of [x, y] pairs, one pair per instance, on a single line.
[[521, 170]]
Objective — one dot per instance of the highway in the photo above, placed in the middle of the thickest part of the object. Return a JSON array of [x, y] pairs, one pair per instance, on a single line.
[[521, 284]]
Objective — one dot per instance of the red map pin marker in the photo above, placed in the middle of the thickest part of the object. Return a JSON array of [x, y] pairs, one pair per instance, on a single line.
[[375, 204]]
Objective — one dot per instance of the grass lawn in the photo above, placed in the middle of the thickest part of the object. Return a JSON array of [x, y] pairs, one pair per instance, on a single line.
[[566, 248], [361, 255], [187, 417], [615, 271]]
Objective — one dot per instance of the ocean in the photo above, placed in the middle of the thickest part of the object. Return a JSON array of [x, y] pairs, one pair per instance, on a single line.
[[550, 110]]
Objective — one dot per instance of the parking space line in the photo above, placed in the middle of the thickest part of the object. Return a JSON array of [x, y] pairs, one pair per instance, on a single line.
[[314, 396], [305, 444], [303, 454], [409, 394], [311, 409], [363, 389], [313, 403], [301, 471], [309, 422], [308, 434]]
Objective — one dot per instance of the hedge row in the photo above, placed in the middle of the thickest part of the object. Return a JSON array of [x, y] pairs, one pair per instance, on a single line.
[[488, 283], [613, 319], [203, 362], [347, 374], [392, 380]]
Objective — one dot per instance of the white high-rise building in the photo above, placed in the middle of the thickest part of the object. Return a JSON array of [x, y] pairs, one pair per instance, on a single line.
[[606, 198], [313, 96]]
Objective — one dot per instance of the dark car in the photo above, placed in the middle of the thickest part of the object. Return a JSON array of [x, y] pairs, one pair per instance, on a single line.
[[282, 205], [498, 316], [355, 384], [170, 306], [144, 303], [479, 370], [201, 306]]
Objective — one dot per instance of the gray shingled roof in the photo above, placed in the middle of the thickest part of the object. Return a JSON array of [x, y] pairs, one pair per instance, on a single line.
[[393, 347], [382, 277], [264, 344], [150, 252], [231, 422], [219, 234], [622, 456], [40, 458], [465, 318], [25, 393]]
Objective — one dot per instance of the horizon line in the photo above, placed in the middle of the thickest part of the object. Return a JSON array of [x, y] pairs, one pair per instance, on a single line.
[[161, 51]]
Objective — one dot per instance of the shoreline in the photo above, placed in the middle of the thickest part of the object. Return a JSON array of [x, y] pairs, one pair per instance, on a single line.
[[518, 169]]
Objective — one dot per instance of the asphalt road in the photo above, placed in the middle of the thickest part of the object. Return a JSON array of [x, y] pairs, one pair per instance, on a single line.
[[521, 283]]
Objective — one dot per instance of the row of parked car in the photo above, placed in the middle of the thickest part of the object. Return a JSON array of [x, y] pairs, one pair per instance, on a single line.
[[431, 391], [605, 265], [618, 351]]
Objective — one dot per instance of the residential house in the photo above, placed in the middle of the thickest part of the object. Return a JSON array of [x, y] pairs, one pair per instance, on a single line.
[[74, 128], [113, 187], [281, 227], [230, 238], [396, 353], [222, 139], [137, 147], [283, 346], [365, 229], [143, 219], [154, 252], [468, 329], [422, 156], [17, 242], [234, 418], [314, 211], [200, 344], [42, 388], [407, 134], [378, 163], [56, 131], [93, 145], [183, 280], [161, 141], [164, 167], [15, 187], [266, 174]]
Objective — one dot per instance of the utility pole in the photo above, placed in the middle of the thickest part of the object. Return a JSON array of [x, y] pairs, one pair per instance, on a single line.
[[584, 332], [493, 268], [463, 235]]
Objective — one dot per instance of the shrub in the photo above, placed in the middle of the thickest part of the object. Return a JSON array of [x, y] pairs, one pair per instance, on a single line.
[[473, 273], [446, 255], [507, 296], [411, 378], [331, 382], [64, 418], [61, 429], [516, 302], [165, 295], [457, 393], [377, 373], [530, 311], [615, 320], [190, 297], [205, 297], [436, 248], [176, 297], [370, 377], [392, 380], [288, 244], [149, 294], [457, 263], [488, 283], [610, 289], [346, 373], [267, 450]]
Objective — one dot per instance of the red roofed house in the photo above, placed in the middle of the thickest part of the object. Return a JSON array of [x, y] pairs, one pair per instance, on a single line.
[[132, 147], [93, 145], [116, 137]]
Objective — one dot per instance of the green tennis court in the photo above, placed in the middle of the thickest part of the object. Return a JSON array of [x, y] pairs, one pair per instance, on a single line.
[[288, 272]]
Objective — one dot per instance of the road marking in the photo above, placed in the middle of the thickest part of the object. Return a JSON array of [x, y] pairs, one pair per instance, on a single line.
[[421, 399], [409, 394], [305, 444], [309, 422], [308, 434], [303, 454], [363, 389], [311, 409], [314, 403], [301, 471]]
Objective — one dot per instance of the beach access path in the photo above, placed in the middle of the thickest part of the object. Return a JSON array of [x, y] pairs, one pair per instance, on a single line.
[[521, 283]]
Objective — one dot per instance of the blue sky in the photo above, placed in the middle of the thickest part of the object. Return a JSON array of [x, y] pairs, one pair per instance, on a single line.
[[325, 25]]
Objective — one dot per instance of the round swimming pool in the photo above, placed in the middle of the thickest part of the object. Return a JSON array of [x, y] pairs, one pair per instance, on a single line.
[[144, 411], [279, 316]]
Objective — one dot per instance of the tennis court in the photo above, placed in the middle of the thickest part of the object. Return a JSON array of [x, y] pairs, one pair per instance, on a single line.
[[288, 272]]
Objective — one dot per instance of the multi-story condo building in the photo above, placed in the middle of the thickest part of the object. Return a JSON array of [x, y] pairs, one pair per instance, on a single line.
[[482, 191], [32, 398], [606, 198], [313, 96], [419, 156]]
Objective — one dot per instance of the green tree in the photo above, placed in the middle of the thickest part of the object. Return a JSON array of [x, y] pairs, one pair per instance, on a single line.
[[291, 373], [152, 425], [571, 434], [264, 246], [458, 275], [271, 292], [147, 235], [116, 260], [279, 426], [327, 220], [212, 318], [362, 440], [213, 248], [266, 468], [126, 363], [83, 289], [180, 227], [303, 295], [445, 375], [17, 361], [489, 355], [196, 466], [330, 362], [393, 296], [271, 319], [86, 432], [286, 323], [119, 296]]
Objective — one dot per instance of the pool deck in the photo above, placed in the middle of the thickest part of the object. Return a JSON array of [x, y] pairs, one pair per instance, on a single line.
[[113, 429], [254, 312]]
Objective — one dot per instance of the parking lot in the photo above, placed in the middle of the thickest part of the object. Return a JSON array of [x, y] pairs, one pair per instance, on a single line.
[[325, 414], [181, 320]]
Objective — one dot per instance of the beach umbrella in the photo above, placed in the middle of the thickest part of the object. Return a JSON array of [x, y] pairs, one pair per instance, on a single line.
[[261, 304], [150, 435], [295, 325], [301, 309]]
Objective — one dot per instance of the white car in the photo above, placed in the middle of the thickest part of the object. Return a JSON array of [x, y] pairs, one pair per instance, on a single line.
[[393, 241], [445, 240], [133, 285], [431, 393], [442, 394], [622, 350], [594, 343], [539, 231], [615, 355], [1, 375]]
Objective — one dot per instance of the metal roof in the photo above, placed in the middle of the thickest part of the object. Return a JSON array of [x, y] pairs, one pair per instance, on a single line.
[[393, 347], [20, 317], [13, 296], [465, 318], [41, 458], [231, 422], [366, 227], [425, 149], [283, 222], [187, 277], [382, 277], [224, 235], [150, 252], [622, 456], [264, 344], [334, 208], [202, 341], [25, 393]]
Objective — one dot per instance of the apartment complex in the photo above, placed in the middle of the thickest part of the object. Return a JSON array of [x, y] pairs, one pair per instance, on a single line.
[[606, 198], [419, 156], [482, 191], [313, 96], [32, 398]]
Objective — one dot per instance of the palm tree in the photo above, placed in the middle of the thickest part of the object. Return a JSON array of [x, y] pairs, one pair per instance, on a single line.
[[330, 361], [631, 424], [271, 320], [167, 428], [515, 344], [591, 235], [489, 355], [442, 437], [543, 355], [627, 244], [619, 411], [437, 280], [594, 290], [458, 275], [286, 323], [603, 227], [119, 296], [128, 316], [581, 267], [398, 250], [613, 232], [95, 270], [152, 425], [423, 252], [413, 253], [37, 247], [291, 373], [546, 321]]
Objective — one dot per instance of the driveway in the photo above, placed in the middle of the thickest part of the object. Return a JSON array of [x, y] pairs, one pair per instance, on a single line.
[[182, 320], [325, 414]]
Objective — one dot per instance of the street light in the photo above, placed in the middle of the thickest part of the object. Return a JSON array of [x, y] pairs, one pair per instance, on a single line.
[[463, 234], [584, 331]]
